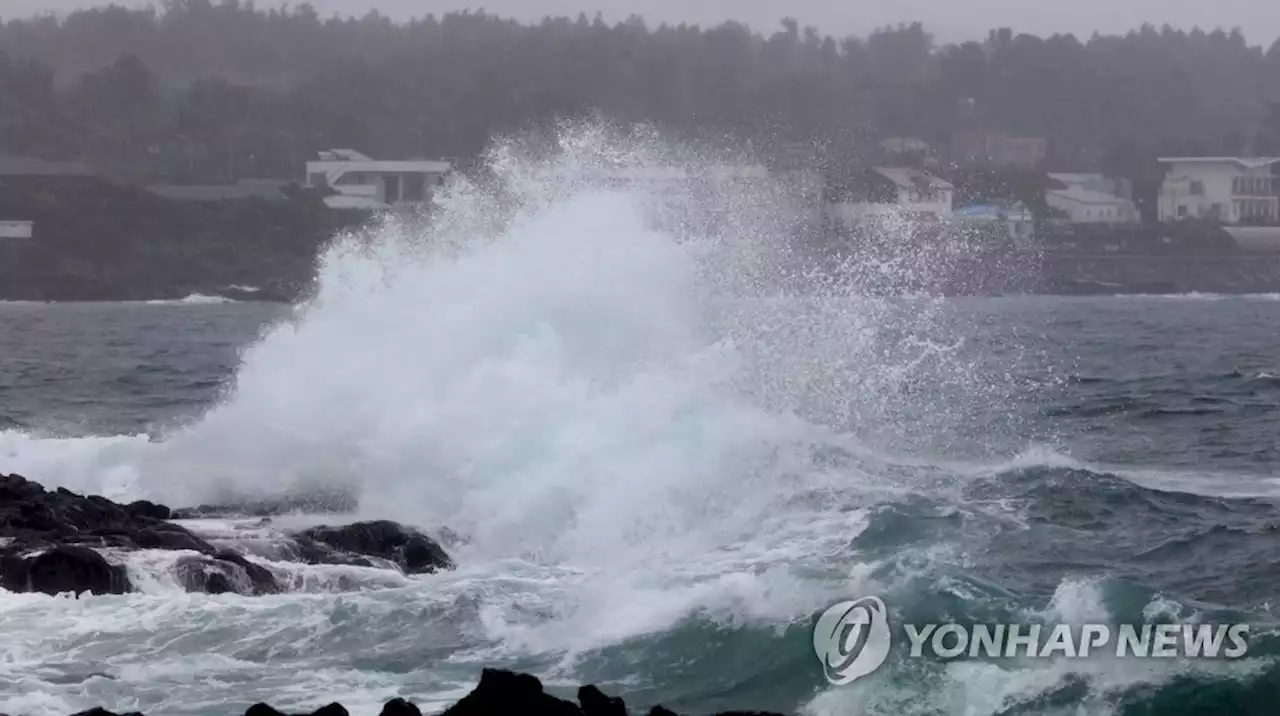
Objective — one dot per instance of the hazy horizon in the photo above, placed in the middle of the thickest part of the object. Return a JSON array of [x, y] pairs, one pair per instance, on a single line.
[[1259, 22]]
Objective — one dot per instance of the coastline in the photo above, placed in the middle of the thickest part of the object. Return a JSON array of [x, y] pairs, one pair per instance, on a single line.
[[58, 542], [97, 241], [498, 692]]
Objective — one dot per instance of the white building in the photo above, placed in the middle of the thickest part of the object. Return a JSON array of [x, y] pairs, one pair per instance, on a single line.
[[1232, 190], [364, 183], [899, 191], [16, 229], [1094, 181], [1087, 206]]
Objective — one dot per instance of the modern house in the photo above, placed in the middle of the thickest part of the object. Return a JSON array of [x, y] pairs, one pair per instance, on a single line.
[[16, 230], [1092, 199], [1230, 190], [364, 183], [1115, 186], [883, 191]]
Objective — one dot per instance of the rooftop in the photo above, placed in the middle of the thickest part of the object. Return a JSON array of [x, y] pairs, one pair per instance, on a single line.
[[1246, 162], [1076, 177], [351, 160], [912, 178], [1084, 196]]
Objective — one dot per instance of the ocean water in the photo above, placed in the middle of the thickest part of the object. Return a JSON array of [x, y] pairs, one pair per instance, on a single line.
[[663, 459]]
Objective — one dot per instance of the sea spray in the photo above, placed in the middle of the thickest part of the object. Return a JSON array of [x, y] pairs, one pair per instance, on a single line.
[[668, 435]]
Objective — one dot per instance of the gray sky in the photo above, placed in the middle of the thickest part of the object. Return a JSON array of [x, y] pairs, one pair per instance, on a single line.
[[948, 19]]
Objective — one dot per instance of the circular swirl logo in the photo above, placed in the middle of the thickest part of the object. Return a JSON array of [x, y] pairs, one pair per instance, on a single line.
[[852, 639]]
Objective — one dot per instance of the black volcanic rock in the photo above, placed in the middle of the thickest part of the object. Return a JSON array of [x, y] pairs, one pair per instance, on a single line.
[[505, 692], [399, 707], [143, 508], [595, 703], [65, 569], [225, 573], [265, 710], [499, 693], [48, 541], [407, 548], [31, 515]]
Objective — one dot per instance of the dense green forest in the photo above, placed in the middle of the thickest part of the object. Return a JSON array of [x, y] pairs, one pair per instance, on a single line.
[[196, 90]]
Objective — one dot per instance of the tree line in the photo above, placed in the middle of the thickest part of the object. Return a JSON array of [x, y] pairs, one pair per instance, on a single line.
[[194, 90]]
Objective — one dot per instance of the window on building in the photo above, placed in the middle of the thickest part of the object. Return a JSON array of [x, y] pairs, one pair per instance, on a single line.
[[1197, 188], [1182, 210], [391, 188]]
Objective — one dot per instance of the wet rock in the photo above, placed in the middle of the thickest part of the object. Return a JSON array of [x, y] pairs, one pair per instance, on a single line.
[[312, 503], [74, 569], [499, 693], [49, 539], [30, 514], [48, 543], [265, 710], [505, 692], [169, 536], [595, 703], [410, 550], [225, 573], [144, 508], [399, 707]]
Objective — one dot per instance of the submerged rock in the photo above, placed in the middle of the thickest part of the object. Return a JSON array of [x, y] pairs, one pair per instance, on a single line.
[[225, 573], [408, 549]]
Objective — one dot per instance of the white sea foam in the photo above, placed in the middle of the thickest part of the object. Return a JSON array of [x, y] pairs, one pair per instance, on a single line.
[[192, 299]]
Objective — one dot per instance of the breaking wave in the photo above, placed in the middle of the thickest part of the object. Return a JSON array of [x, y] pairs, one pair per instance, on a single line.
[[667, 438]]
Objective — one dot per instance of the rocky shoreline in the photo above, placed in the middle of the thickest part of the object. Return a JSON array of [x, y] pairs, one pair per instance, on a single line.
[[499, 693], [58, 542]]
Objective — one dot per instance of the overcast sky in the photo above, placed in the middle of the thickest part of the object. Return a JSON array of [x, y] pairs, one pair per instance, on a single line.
[[948, 19]]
